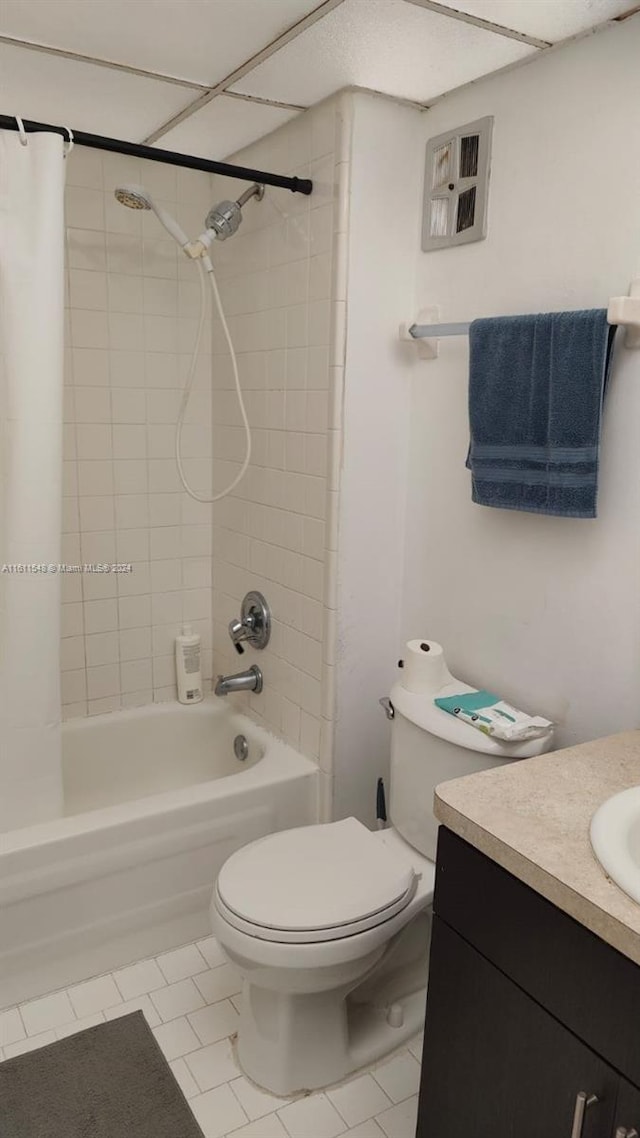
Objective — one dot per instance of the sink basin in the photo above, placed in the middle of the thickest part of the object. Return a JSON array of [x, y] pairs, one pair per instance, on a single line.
[[615, 837]]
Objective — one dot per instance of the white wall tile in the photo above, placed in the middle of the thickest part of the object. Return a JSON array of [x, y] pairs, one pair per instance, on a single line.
[[133, 317]]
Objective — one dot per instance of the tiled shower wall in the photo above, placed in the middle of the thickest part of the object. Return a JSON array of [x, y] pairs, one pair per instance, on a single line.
[[133, 302], [132, 308], [283, 284]]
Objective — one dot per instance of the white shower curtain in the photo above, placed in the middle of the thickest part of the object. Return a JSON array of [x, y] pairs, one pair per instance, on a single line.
[[31, 379]]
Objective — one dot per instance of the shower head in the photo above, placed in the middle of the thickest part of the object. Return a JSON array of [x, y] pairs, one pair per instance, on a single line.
[[225, 217], [136, 197]]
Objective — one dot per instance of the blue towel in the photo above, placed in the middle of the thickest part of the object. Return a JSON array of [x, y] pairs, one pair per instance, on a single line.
[[536, 388]]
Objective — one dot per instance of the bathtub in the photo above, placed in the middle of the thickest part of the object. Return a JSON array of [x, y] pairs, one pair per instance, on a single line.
[[155, 801]]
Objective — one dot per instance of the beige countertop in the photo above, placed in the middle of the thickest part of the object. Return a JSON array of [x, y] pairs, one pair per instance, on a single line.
[[532, 817]]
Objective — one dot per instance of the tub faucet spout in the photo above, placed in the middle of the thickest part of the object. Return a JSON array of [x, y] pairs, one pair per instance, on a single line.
[[251, 680]]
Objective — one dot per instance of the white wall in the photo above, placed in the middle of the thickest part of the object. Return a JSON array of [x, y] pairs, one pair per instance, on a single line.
[[543, 609], [385, 191]]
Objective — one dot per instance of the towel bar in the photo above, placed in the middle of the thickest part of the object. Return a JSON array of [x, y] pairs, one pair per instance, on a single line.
[[426, 331]]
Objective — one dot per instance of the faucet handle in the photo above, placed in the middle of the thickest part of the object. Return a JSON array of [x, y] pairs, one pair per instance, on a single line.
[[238, 632], [254, 624]]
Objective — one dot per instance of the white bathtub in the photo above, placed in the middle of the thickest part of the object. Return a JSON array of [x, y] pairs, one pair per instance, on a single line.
[[155, 801]]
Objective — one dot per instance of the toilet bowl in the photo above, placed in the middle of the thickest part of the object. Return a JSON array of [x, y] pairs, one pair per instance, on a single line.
[[322, 923], [330, 924]]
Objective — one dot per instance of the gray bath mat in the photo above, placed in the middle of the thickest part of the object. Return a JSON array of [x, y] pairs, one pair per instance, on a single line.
[[111, 1081]]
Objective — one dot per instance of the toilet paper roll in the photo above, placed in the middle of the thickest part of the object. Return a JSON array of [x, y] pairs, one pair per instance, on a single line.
[[424, 667]]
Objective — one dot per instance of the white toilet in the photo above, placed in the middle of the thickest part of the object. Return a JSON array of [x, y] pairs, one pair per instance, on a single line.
[[330, 924]]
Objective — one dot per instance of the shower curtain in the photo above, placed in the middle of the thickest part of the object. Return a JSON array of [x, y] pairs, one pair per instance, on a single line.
[[31, 379]]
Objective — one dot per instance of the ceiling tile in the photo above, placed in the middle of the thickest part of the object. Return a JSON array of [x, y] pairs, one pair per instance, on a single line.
[[223, 126], [387, 45], [546, 19], [63, 92], [200, 40]]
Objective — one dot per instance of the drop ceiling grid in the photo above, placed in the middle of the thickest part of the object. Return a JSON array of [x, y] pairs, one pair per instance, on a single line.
[[286, 54], [402, 50], [546, 20], [195, 40], [225, 125], [67, 92]]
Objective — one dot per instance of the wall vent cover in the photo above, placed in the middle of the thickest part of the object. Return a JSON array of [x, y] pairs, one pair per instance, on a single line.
[[456, 186]]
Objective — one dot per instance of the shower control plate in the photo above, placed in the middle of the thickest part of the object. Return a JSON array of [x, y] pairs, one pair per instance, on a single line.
[[256, 615]]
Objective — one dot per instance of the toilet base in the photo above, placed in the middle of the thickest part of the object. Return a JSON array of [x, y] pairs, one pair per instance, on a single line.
[[298, 1041], [345, 1036]]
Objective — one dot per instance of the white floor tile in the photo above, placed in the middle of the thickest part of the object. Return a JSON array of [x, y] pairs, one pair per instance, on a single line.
[[399, 1077], [213, 1065], [47, 1013], [368, 1129], [254, 1101], [94, 996], [31, 1044], [139, 979], [312, 1117], [184, 1078], [176, 1038], [182, 963], [268, 1127], [359, 1100], [211, 951], [79, 1025], [140, 1004], [11, 1027], [214, 1023], [219, 983], [191, 998], [218, 1112], [177, 1000], [400, 1121]]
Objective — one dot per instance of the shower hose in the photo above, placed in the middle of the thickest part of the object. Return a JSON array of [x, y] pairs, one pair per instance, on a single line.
[[206, 270]]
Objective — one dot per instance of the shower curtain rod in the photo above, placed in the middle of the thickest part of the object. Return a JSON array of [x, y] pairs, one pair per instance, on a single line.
[[171, 157]]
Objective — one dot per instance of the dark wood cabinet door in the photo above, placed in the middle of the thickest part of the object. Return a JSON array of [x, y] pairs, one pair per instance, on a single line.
[[627, 1124], [495, 1064]]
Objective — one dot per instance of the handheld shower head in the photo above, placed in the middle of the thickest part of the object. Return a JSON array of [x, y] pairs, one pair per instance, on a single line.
[[136, 197]]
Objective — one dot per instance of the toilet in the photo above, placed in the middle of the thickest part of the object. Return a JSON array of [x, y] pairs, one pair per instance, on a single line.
[[329, 924]]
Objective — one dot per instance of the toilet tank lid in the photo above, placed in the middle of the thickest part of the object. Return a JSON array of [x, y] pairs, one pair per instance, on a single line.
[[421, 710]]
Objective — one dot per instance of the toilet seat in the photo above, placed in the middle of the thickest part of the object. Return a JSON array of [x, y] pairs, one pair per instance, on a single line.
[[314, 884]]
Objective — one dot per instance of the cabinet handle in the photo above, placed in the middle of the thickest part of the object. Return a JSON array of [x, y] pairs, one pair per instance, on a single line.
[[583, 1100], [622, 1132]]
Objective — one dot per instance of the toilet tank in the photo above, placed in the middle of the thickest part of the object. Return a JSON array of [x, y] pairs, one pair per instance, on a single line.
[[429, 746]]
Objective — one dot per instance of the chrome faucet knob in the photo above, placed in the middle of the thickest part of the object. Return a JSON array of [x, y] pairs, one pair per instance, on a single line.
[[238, 631], [254, 624]]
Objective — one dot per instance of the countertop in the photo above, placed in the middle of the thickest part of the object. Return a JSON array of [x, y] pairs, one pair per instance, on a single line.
[[532, 817]]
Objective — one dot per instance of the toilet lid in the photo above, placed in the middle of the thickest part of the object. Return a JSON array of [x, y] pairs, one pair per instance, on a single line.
[[314, 883]]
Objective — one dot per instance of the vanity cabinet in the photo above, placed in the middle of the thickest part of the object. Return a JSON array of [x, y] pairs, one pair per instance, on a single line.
[[533, 1023], [627, 1124]]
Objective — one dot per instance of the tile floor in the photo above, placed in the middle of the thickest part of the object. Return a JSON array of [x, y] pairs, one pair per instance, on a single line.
[[190, 998]]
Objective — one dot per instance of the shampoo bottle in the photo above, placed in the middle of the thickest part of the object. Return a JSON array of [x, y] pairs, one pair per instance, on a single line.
[[188, 666]]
